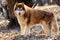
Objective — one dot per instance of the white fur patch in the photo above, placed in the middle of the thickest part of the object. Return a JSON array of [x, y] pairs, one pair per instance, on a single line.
[[20, 11]]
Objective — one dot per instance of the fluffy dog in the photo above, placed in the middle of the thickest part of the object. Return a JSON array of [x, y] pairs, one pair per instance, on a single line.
[[27, 17]]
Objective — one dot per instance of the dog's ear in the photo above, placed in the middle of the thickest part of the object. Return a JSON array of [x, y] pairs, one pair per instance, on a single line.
[[15, 5], [23, 3]]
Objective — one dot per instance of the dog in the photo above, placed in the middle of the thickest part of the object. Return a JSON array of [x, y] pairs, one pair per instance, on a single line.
[[27, 17]]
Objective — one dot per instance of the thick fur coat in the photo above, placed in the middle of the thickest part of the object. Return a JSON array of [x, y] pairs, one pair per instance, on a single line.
[[27, 17]]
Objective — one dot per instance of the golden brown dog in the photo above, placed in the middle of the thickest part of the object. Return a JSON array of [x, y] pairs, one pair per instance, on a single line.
[[27, 17]]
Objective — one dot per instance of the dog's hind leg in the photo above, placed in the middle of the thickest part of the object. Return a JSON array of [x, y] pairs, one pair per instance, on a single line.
[[55, 26], [45, 28]]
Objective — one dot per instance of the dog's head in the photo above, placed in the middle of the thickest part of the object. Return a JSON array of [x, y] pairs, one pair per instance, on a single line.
[[19, 9]]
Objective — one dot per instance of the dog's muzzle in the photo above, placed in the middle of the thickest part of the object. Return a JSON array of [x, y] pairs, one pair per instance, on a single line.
[[20, 12]]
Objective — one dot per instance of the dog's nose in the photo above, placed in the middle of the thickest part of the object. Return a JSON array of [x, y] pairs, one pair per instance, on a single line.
[[19, 13]]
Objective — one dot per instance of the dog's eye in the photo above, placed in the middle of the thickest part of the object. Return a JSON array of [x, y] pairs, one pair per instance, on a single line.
[[18, 8]]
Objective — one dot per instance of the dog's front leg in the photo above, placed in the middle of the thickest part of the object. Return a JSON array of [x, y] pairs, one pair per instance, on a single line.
[[23, 30]]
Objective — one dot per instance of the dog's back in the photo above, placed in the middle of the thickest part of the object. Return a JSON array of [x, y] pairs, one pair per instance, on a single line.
[[35, 16]]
